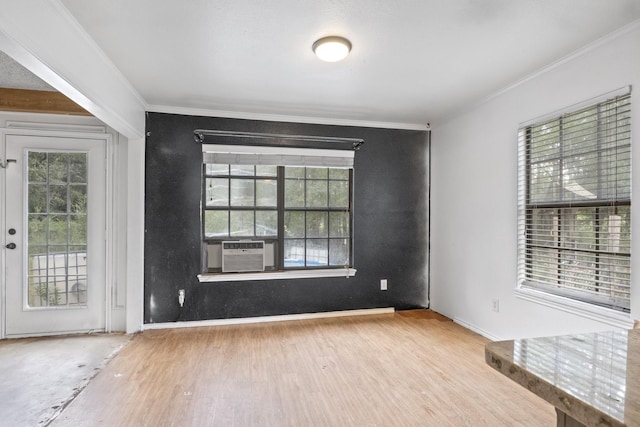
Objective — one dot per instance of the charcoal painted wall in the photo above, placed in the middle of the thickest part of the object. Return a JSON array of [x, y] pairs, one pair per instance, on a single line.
[[390, 227]]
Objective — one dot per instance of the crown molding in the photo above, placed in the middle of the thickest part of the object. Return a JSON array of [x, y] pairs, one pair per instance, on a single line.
[[188, 111]]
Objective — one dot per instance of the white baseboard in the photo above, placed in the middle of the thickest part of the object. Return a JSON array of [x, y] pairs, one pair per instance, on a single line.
[[475, 329], [264, 319]]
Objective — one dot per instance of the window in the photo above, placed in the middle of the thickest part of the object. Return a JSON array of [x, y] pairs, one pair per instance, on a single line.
[[300, 207], [575, 204]]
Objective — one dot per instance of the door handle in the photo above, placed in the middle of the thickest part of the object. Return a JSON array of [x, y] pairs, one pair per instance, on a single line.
[[11, 245]]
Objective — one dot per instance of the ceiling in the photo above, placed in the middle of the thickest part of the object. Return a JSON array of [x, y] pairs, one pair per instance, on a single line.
[[412, 62]]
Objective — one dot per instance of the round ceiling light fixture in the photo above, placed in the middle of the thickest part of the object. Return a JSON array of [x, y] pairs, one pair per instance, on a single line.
[[332, 48]]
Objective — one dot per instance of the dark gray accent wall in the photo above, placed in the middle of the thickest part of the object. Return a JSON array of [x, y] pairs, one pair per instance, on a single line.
[[390, 227]]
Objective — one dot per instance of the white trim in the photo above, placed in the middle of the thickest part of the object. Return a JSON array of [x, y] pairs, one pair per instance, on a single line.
[[32, 32], [592, 102], [475, 329], [277, 275], [188, 111], [57, 127], [266, 319], [599, 314]]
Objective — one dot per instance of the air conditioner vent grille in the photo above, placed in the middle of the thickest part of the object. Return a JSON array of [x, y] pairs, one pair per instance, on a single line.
[[242, 256]]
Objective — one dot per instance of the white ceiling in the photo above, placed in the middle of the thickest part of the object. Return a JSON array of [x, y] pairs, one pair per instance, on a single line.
[[412, 61]]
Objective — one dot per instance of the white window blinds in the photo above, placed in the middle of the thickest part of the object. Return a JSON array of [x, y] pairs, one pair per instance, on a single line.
[[574, 197]]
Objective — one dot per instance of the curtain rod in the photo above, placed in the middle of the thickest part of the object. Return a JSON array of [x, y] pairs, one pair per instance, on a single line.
[[200, 134]]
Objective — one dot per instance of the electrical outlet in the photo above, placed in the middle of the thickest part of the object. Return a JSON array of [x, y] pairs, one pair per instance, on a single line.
[[495, 305], [181, 297], [383, 284]]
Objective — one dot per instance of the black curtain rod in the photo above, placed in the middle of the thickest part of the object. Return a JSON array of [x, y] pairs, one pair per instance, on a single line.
[[199, 136]]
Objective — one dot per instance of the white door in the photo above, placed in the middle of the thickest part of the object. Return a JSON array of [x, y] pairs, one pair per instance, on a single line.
[[55, 235]]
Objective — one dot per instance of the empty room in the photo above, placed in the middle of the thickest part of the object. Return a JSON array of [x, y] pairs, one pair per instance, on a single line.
[[319, 213]]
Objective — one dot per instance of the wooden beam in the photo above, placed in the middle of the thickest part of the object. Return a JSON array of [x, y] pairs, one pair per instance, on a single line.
[[38, 101]]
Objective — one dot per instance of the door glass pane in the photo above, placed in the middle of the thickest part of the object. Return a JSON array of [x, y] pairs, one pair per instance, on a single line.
[[57, 229]]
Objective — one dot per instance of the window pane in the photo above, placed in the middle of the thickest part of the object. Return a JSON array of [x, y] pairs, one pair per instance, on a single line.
[[294, 224], [317, 194], [262, 170], [266, 223], [339, 194], [242, 170], [217, 191], [543, 227], [339, 224], [294, 253], [291, 172], [615, 229], [580, 177], [58, 229], [242, 223], [339, 252], [77, 229], [293, 193], [78, 167], [216, 169], [78, 198], [58, 168], [58, 198], [266, 192], [242, 192], [545, 143], [317, 252], [37, 198], [37, 230], [545, 182], [37, 167], [335, 173], [317, 173], [317, 224], [216, 223]]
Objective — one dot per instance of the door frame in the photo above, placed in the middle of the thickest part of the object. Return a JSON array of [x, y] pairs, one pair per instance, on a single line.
[[95, 132]]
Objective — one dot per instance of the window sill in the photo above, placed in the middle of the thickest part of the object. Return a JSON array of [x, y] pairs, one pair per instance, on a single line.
[[599, 314], [276, 275]]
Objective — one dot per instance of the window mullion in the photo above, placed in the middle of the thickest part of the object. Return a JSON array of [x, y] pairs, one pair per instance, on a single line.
[[280, 205]]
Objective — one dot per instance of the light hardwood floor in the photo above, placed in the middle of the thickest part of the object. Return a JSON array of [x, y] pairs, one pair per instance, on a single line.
[[413, 368]]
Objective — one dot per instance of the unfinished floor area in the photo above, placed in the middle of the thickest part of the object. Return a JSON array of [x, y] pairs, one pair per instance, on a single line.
[[40, 376], [413, 368]]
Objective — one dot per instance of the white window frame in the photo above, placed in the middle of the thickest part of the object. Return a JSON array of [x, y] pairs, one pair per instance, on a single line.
[[539, 295]]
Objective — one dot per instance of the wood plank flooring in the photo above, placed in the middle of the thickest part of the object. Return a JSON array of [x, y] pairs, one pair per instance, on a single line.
[[412, 368]]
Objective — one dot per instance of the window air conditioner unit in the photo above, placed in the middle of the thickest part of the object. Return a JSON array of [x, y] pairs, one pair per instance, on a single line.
[[242, 256]]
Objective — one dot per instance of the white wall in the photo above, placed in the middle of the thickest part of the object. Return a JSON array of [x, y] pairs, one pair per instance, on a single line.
[[474, 195]]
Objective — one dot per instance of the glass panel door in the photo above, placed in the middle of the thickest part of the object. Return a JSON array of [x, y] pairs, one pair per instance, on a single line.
[[55, 210]]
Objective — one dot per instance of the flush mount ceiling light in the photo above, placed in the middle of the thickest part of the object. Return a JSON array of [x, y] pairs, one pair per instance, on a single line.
[[332, 48]]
